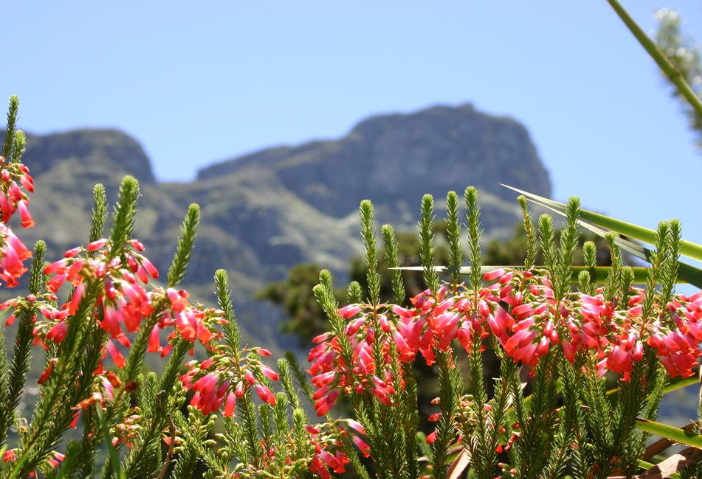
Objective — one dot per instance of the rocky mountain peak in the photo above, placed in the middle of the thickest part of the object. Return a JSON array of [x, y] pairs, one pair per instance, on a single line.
[[96, 148]]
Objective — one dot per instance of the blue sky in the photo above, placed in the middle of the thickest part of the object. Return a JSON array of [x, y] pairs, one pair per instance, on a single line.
[[197, 82]]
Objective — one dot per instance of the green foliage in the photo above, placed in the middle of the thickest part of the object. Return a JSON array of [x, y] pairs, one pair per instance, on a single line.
[[124, 214], [368, 236], [186, 242], [99, 213], [450, 387], [474, 232], [12, 383], [392, 258], [427, 251], [531, 250], [10, 128], [453, 234]]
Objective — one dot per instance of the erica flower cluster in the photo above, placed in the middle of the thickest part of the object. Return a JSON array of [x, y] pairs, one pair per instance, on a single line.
[[123, 301], [185, 320], [226, 376], [12, 251], [615, 331], [55, 460], [328, 447], [370, 367], [13, 177], [519, 309]]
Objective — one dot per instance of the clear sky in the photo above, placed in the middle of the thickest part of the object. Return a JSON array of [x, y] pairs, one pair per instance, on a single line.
[[197, 82]]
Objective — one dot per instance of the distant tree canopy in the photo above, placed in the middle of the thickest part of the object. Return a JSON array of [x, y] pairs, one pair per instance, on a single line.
[[305, 318]]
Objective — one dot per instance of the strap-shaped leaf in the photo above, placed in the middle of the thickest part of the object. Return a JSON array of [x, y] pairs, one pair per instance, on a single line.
[[669, 432], [674, 385], [601, 225], [661, 445], [687, 248]]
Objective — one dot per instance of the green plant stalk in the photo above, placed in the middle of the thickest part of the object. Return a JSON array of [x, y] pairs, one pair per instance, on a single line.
[[675, 76], [55, 389]]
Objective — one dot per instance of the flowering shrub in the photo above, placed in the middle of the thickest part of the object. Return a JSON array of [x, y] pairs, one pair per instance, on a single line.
[[104, 300], [561, 336]]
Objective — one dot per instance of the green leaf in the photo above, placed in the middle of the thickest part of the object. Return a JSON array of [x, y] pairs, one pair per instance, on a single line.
[[687, 248], [669, 432], [601, 225], [659, 57], [674, 385], [679, 383]]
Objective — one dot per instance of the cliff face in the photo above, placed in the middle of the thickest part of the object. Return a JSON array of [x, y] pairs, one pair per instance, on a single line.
[[394, 159], [264, 212], [92, 147]]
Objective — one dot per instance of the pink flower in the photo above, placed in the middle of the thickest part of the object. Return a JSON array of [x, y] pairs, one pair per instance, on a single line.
[[265, 394], [27, 221], [230, 405], [349, 311], [361, 445], [58, 332], [116, 355], [12, 255]]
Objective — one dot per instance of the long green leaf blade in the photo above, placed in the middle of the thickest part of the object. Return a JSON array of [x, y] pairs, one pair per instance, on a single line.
[[687, 248], [669, 432], [686, 272]]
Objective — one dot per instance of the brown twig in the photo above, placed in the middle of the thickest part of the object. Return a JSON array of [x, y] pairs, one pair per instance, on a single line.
[[171, 449]]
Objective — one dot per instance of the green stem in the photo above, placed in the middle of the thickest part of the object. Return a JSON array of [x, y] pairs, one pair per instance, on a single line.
[[675, 76]]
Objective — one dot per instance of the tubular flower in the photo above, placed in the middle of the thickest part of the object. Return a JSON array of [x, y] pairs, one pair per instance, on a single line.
[[189, 322], [225, 377], [12, 255], [40, 302], [372, 339], [13, 178], [519, 309], [677, 335], [328, 449], [122, 299]]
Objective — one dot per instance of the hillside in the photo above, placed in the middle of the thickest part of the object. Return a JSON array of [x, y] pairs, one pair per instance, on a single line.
[[264, 212]]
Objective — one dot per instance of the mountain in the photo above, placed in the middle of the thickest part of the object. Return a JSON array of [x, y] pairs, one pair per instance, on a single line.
[[265, 211], [395, 159]]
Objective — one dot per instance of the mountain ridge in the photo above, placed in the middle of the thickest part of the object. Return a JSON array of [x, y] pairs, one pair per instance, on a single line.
[[377, 139], [267, 210]]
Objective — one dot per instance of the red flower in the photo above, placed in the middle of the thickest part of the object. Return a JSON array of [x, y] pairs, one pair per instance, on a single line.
[[11, 196], [12, 255]]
